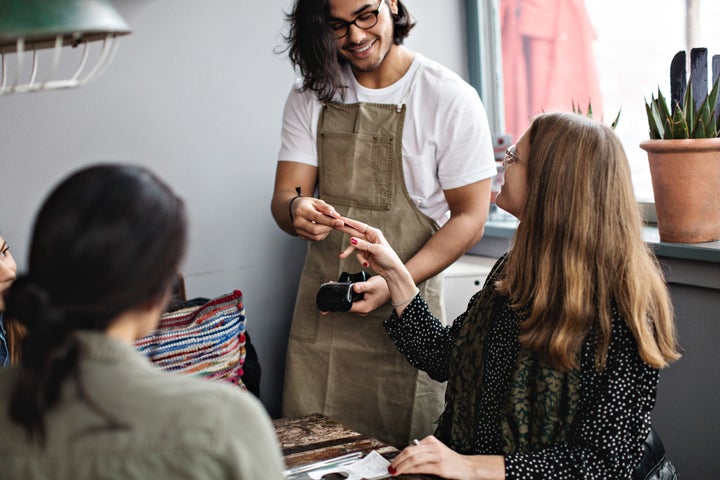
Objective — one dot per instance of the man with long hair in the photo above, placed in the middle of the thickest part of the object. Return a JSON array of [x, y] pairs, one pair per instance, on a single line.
[[391, 138]]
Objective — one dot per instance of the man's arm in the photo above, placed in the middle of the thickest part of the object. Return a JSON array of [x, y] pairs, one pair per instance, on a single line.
[[469, 206], [311, 217]]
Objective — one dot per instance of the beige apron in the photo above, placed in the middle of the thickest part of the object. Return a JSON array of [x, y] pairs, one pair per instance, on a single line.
[[342, 364]]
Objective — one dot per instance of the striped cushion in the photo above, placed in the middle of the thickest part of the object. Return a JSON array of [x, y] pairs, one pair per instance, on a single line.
[[208, 341]]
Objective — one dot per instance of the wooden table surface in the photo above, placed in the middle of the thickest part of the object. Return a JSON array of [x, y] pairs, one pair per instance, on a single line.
[[315, 437]]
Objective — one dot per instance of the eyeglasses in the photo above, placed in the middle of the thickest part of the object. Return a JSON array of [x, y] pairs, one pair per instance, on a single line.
[[364, 21], [511, 157]]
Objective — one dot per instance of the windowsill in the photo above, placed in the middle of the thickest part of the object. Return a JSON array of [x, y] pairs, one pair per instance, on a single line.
[[503, 232], [703, 252], [500, 229]]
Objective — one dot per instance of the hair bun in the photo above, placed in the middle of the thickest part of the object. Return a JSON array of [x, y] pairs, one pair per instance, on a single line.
[[29, 303]]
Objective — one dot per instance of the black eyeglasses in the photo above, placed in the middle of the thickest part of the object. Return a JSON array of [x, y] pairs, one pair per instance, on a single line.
[[511, 157], [364, 21]]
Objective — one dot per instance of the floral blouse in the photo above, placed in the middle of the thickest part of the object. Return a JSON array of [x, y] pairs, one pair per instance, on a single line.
[[503, 400]]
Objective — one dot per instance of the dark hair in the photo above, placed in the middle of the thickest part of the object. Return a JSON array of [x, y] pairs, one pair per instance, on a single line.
[[109, 238], [312, 46]]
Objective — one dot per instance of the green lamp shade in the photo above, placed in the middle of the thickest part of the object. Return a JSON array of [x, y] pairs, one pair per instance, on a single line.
[[39, 22]]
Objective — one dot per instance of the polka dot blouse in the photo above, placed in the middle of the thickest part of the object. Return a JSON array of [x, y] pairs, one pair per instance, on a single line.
[[610, 413]]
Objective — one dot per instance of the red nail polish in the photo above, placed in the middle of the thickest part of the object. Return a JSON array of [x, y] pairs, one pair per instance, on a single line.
[[353, 241], [366, 264], [391, 470]]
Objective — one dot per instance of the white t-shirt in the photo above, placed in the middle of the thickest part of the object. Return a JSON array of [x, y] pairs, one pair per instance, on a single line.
[[446, 140]]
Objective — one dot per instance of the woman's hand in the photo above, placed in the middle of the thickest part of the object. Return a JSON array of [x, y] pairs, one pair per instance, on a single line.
[[434, 457], [371, 247], [375, 294], [373, 250]]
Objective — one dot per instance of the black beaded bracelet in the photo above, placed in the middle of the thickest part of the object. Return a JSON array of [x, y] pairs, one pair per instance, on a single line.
[[298, 190]]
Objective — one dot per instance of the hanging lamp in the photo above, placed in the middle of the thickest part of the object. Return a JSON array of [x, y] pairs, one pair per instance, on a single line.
[[46, 44]]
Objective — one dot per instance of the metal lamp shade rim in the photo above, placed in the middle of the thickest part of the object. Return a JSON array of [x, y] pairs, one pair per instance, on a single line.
[[39, 22]]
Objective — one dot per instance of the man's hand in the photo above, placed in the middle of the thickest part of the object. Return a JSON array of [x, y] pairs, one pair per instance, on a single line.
[[303, 215], [313, 219]]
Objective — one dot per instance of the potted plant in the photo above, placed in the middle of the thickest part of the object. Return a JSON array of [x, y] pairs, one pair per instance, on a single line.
[[684, 153]]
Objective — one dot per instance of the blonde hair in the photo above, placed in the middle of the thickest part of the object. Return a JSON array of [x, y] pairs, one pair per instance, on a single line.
[[579, 252]]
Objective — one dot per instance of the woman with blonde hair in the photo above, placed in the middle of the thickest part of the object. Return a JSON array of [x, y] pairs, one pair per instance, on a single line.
[[553, 368]]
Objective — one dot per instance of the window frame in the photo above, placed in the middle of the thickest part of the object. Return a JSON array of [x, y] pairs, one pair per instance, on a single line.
[[484, 51]]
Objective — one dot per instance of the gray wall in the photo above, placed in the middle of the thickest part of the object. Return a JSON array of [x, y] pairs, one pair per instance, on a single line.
[[686, 412], [195, 93]]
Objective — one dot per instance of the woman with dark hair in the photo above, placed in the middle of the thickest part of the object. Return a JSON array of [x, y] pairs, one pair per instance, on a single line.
[[553, 368], [381, 133], [10, 332], [84, 403]]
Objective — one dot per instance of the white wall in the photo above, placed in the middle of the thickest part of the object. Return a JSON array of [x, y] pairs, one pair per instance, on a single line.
[[195, 93]]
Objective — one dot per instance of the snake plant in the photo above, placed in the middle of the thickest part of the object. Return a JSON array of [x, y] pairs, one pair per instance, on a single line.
[[686, 120], [693, 113]]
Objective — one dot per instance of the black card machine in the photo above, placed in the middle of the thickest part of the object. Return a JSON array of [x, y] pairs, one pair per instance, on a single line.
[[339, 296]]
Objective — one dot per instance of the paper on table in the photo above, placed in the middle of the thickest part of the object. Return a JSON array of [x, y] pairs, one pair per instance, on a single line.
[[301, 472], [372, 467]]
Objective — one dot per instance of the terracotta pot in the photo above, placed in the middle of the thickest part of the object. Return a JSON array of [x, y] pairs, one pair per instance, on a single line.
[[686, 182]]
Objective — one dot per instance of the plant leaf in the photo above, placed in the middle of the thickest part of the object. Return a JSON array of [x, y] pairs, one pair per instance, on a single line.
[[699, 130], [663, 109], [679, 127], [656, 128], [712, 127], [689, 108], [704, 120], [617, 118]]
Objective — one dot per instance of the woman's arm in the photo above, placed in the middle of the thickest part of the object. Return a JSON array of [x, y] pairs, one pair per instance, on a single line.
[[434, 457], [423, 339], [418, 335]]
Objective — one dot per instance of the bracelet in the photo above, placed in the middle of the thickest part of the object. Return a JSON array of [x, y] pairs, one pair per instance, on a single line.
[[400, 304], [292, 219]]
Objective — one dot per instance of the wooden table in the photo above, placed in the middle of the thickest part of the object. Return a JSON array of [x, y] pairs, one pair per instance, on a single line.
[[315, 437]]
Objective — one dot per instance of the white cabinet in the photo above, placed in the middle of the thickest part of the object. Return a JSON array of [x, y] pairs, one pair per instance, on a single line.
[[461, 280]]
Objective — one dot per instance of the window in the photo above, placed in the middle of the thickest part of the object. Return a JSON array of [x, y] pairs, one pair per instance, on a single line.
[[613, 53]]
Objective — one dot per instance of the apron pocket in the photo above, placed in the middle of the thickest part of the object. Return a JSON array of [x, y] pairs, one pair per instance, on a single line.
[[356, 170]]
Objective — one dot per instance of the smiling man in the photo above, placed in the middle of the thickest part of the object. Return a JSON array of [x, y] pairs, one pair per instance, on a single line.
[[378, 133]]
